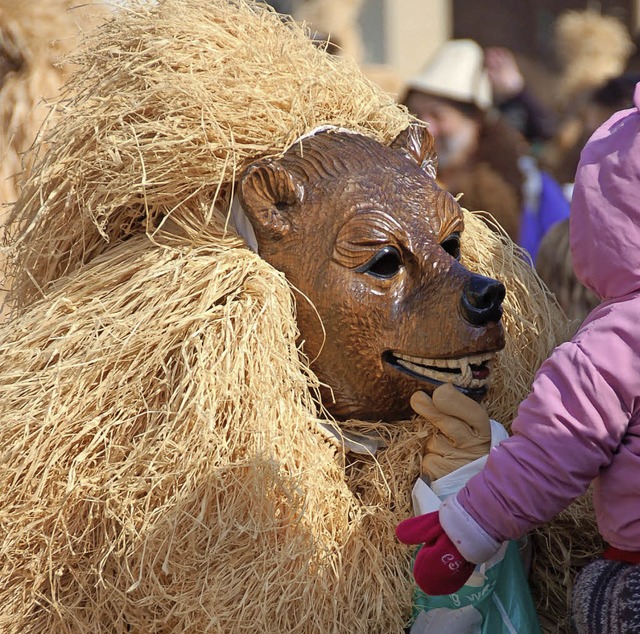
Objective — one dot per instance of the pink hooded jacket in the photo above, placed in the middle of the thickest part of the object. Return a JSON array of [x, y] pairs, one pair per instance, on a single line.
[[581, 420]]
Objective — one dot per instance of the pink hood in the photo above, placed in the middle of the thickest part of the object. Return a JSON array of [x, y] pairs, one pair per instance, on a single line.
[[605, 209]]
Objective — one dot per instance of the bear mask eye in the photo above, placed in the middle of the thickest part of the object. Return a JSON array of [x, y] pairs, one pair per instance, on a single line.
[[451, 244], [385, 264]]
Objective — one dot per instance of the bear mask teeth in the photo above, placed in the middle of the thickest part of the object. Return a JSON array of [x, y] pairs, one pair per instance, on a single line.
[[457, 371]]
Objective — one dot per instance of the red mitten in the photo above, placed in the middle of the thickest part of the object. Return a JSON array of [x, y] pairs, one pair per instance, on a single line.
[[439, 567]]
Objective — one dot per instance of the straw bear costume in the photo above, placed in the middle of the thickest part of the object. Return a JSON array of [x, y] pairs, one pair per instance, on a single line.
[[163, 465]]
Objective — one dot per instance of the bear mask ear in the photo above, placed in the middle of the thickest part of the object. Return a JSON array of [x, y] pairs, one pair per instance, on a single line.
[[418, 144], [267, 192]]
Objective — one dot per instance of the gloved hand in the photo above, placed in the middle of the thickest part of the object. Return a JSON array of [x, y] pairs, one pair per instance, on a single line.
[[439, 568], [463, 430]]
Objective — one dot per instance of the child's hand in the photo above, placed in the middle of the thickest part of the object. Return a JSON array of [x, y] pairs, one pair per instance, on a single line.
[[439, 567], [462, 434]]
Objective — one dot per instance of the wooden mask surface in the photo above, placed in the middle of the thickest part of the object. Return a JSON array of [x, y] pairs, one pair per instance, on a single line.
[[371, 244]]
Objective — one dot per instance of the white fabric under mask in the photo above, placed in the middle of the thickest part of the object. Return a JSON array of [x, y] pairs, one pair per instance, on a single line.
[[239, 221]]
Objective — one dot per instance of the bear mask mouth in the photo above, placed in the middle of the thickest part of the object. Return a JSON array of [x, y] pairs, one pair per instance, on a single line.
[[470, 374]]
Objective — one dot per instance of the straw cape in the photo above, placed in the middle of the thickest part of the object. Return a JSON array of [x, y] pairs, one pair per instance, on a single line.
[[162, 468]]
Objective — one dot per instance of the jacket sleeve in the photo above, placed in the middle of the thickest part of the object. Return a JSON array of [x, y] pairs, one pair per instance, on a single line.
[[566, 431]]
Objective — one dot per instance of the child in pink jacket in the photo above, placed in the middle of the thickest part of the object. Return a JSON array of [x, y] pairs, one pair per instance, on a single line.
[[581, 421]]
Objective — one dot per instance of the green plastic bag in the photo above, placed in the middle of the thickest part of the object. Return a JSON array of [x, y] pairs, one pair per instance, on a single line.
[[496, 600]]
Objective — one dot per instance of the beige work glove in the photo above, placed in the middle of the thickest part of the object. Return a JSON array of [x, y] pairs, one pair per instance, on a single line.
[[462, 430]]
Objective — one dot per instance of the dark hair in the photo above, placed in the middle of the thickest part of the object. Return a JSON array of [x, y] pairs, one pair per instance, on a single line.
[[617, 93], [467, 108]]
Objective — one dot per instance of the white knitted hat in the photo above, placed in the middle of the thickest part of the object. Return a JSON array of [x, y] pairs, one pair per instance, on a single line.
[[456, 72]]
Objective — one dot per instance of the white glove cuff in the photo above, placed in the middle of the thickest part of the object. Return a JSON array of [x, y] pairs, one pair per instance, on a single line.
[[473, 542]]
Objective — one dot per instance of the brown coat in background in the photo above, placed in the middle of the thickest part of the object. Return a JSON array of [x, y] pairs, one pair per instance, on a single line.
[[491, 179]]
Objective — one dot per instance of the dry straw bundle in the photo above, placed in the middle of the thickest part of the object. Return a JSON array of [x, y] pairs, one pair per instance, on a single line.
[[592, 48], [338, 20], [162, 468], [554, 265], [35, 37], [171, 103]]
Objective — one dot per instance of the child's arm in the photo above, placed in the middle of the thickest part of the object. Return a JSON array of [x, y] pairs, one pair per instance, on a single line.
[[566, 431]]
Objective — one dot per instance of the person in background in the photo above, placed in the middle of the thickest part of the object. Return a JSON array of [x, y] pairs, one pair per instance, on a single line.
[[515, 100], [580, 423], [479, 153], [597, 106], [554, 265]]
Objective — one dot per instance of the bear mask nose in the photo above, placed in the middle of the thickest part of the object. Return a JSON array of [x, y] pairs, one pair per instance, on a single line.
[[481, 300]]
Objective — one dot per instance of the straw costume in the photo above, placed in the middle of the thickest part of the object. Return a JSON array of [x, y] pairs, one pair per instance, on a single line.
[[337, 19], [162, 466], [592, 49]]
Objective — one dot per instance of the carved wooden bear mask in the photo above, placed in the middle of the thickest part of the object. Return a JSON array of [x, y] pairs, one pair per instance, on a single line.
[[371, 244]]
